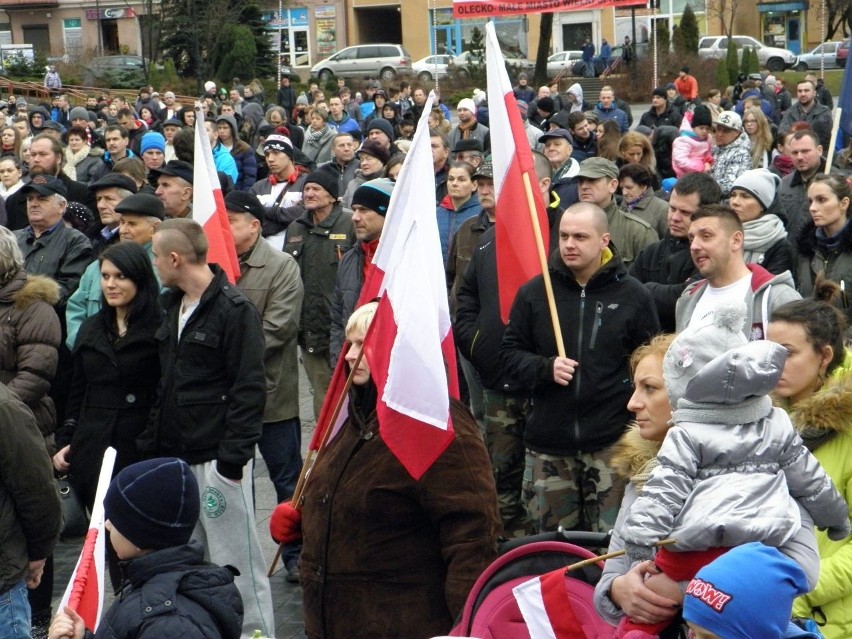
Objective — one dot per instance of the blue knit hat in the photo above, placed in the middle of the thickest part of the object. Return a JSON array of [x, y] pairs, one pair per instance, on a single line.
[[746, 593], [374, 195], [152, 140], [154, 504]]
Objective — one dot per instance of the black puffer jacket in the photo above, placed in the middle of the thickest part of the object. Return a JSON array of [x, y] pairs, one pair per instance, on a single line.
[[174, 593], [478, 329], [602, 323], [665, 268]]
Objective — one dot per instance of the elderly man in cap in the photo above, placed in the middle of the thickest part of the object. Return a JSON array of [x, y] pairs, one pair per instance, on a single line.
[[139, 215], [281, 192], [174, 188], [271, 280], [597, 182], [732, 153], [469, 151], [661, 112], [109, 191], [318, 240], [468, 127], [47, 245], [370, 203], [580, 398], [558, 146]]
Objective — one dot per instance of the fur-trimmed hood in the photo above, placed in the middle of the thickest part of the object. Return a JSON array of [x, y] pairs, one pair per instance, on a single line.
[[807, 242], [830, 408], [632, 453], [23, 290]]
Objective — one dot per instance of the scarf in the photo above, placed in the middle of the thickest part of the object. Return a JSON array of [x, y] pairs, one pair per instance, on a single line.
[[632, 203], [783, 164], [73, 159], [832, 242], [642, 475], [314, 136], [760, 235], [466, 128], [813, 437], [4, 192]]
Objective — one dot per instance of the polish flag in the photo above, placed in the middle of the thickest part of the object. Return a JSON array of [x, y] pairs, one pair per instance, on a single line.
[[85, 591], [511, 157], [409, 345], [547, 609], [208, 205]]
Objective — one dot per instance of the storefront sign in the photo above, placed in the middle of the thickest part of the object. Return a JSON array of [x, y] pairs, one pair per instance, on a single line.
[[286, 19], [110, 14], [488, 8], [325, 18]]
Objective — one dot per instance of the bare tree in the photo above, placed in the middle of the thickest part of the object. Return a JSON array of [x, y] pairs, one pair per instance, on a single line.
[[725, 11]]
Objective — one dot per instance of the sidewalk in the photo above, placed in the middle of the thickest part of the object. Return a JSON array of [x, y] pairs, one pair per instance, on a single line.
[[287, 598]]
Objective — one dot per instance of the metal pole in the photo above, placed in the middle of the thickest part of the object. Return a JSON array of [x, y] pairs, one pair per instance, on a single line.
[[822, 39], [101, 35], [435, 48], [278, 70], [632, 61], [655, 40]]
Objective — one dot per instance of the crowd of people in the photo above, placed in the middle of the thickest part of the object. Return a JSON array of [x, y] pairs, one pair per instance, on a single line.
[[118, 332]]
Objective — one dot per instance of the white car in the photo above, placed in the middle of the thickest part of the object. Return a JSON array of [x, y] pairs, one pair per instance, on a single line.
[[562, 60], [514, 61], [826, 52], [431, 67], [772, 58]]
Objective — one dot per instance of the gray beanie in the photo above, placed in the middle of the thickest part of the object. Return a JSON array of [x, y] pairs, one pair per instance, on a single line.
[[762, 184], [696, 346], [78, 113]]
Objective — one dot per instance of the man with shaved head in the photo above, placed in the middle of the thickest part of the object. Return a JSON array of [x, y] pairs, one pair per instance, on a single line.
[[579, 398]]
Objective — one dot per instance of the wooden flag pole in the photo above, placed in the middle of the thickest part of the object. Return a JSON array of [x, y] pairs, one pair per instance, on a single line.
[[610, 555], [313, 456], [829, 157], [542, 258]]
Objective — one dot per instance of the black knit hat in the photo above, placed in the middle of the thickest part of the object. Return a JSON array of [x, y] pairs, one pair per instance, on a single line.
[[326, 179], [245, 202], [546, 104], [154, 504], [374, 195], [701, 116], [660, 92], [382, 125]]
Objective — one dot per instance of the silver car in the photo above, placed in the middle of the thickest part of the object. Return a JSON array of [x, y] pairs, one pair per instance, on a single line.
[[562, 60], [431, 67], [772, 58], [384, 61], [826, 52]]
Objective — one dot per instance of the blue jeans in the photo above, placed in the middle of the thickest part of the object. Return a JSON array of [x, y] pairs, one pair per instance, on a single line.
[[15, 612], [280, 446]]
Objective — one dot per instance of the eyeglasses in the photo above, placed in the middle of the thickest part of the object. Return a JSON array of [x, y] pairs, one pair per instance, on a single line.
[[749, 121]]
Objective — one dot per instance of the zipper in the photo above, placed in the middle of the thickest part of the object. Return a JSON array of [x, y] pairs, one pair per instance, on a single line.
[[576, 380], [598, 321]]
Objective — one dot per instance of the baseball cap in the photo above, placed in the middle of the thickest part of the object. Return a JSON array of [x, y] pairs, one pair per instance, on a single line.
[[596, 168], [46, 185], [729, 120]]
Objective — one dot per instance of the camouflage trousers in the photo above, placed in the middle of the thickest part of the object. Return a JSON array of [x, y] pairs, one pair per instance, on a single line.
[[505, 417], [580, 492]]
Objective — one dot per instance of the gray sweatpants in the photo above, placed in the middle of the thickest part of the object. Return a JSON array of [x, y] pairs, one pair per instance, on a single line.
[[226, 529]]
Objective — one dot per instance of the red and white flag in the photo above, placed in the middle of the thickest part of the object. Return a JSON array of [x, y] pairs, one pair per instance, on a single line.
[[511, 157], [85, 591], [410, 344], [546, 607], [208, 205]]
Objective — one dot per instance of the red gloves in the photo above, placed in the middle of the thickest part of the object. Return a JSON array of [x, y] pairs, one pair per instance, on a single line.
[[285, 525]]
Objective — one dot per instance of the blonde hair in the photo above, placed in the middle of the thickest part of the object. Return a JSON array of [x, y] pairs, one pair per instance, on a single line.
[[361, 319], [11, 260], [657, 347], [761, 141], [631, 138]]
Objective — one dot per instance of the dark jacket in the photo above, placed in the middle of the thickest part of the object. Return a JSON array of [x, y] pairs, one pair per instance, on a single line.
[[819, 117], [665, 268], [30, 514], [244, 157], [30, 336], [478, 328], [602, 324], [212, 388], [835, 263], [462, 248], [318, 248], [388, 556], [286, 99], [587, 149], [16, 204], [670, 117], [174, 593], [277, 218], [100, 243], [344, 173], [114, 388], [347, 289], [63, 254]]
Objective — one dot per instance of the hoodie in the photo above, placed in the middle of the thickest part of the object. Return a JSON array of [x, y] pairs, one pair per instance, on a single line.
[[243, 154], [689, 152], [580, 104]]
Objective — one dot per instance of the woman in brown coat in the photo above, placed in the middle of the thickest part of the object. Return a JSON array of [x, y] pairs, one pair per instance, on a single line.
[[385, 555], [29, 334]]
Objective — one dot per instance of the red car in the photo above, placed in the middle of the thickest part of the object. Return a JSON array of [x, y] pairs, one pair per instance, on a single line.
[[843, 53]]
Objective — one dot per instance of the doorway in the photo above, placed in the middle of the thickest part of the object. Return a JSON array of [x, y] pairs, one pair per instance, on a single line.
[[109, 33], [37, 35]]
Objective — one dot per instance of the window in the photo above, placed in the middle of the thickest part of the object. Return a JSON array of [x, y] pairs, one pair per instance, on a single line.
[[346, 54], [368, 51], [72, 33], [706, 43]]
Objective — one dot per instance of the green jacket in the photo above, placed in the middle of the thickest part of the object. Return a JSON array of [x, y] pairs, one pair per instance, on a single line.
[[628, 232], [270, 279], [318, 249], [86, 300], [830, 408]]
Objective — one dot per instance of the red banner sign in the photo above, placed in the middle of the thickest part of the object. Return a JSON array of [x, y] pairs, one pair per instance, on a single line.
[[490, 8]]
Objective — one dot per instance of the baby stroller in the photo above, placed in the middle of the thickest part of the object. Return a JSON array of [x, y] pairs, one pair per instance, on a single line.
[[492, 611]]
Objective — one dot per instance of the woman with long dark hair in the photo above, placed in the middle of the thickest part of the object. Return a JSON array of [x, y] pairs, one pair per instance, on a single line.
[[116, 369]]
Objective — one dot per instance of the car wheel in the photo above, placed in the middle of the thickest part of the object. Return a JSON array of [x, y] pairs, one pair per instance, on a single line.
[[324, 75], [387, 74], [424, 76], [775, 64], [801, 66]]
